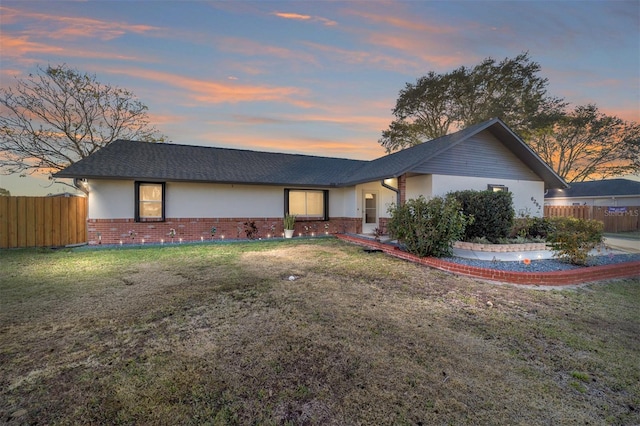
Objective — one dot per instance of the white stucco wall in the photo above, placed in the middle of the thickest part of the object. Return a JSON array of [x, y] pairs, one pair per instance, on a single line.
[[112, 199], [223, 200], [342, 202], [419, 185], [115, 199], [525, 193], [385, 197]]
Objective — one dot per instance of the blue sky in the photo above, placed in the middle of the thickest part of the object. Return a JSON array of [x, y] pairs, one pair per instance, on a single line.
[[312, 77]]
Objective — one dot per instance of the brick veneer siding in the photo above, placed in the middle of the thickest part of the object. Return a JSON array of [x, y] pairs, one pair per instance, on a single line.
[[556, 278], [402, 187], [113, 231]]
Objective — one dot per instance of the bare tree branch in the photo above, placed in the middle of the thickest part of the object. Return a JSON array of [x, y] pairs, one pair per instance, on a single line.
[[59, 115]]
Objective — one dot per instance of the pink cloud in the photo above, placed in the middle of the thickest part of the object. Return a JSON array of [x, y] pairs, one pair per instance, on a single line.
[[418, 39], [213, 92], [394, 20], [362, 149], [363, 57], [292, 16], [64, 27], [299, 17], [19, 47], [252, 48], [346, 118]]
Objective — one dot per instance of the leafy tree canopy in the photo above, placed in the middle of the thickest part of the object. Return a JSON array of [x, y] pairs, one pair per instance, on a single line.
[[585, 144], [59, 115], [439, 103]]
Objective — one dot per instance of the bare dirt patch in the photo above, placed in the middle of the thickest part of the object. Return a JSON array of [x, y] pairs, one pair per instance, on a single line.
[[220, 334]]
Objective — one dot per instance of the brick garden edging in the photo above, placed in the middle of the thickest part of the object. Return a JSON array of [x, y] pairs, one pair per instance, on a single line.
[[555, 278]]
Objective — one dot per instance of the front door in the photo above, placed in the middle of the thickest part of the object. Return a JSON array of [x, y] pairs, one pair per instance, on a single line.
[[369, 212]]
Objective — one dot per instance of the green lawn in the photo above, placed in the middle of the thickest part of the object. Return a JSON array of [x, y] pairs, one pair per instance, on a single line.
[[220, 334]]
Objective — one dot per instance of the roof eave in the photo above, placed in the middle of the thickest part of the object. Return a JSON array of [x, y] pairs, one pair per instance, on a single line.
[[221, 182]]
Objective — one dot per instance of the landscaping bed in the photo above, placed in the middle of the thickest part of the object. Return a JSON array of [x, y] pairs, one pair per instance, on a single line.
[[545, 265]]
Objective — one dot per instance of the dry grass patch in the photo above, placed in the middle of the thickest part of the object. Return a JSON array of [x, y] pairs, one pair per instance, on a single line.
[[219, 334]]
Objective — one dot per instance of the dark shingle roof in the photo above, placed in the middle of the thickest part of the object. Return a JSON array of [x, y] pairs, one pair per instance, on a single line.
[[396, 164], [169, 162], [158, 161], [404, 161], [598, 188]]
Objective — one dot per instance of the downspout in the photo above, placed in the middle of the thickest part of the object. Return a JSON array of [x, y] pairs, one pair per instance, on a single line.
[[396, 190], [78, 183]]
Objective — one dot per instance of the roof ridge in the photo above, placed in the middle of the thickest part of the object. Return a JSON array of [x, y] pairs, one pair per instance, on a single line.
[[170, 144]]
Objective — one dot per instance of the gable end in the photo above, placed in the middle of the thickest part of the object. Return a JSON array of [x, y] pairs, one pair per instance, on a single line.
[[481, 155]]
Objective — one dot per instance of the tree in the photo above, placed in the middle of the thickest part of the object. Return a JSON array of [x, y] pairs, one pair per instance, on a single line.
[[59, 115], [585, 144], [5, 192], [510, 89]]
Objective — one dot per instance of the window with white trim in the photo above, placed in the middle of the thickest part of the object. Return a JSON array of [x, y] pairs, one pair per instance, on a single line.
[[307, 203], [149, 201]]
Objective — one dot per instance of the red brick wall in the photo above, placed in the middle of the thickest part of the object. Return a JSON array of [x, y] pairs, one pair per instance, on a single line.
[[113, 231], [402, 187]]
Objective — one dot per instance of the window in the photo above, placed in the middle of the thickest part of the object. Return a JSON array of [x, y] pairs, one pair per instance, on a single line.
[[311, 204], [149, 202], [497, 188]]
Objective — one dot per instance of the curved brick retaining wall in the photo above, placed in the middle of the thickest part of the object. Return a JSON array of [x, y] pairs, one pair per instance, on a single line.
[[556, 278]]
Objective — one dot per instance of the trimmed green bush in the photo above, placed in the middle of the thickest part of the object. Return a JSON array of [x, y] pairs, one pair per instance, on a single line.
[[573, 238], [492, 212], [532, 227], [428, 228]]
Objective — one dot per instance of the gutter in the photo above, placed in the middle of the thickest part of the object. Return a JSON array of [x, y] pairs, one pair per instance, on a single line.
[[396, 190]]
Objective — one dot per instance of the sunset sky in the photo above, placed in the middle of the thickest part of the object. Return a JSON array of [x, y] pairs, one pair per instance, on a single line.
[[312, 77]]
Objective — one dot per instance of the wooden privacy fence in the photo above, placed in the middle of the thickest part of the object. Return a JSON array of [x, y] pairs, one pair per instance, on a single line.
[[42, 221], [615, 219]]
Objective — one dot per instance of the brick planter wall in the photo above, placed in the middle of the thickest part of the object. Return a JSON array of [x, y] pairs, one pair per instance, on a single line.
[[556, 278], [113, 231]]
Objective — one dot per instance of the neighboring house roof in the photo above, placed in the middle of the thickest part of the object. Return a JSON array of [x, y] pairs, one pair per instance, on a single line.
[[156, 161], [598, 188]]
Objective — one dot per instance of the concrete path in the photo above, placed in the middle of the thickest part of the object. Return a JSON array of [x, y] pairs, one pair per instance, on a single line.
[[627, 245]]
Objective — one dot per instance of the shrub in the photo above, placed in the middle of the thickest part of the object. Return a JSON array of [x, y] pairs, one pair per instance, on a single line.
[[573, 239], [251, 230], [492, 213], [428, 228], [532, 228]]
